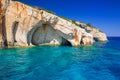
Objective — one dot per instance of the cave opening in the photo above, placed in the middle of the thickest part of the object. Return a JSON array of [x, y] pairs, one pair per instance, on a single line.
[[46, 35], [65, 42], [14, 31], [42, 35]]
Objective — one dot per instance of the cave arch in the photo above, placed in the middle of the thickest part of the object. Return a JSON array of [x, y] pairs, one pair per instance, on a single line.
[[45, 34], [31, 32]]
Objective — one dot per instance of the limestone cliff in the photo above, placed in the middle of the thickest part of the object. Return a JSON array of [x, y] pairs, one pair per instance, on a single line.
[[22, 25], [96, 33]]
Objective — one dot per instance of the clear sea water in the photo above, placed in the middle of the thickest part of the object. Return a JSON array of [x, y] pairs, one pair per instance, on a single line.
[[98, 62]]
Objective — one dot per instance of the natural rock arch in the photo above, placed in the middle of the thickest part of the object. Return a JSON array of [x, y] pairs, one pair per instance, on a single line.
[[44, 33], [31, 31]]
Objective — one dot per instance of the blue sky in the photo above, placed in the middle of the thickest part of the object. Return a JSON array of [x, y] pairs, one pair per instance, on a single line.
[[103, 14]]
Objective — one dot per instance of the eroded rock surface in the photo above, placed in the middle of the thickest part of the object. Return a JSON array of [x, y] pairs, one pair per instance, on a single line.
[[96, 33], [25, 26]]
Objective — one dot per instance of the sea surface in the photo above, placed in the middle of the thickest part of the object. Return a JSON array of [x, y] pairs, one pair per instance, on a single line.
[[98, 62]]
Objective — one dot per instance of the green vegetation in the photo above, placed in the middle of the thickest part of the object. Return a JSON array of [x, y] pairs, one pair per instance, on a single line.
[[47, 10], [65, 18], [44, 10], [74, 22], [89, 24], [70, 20], [81, 22]]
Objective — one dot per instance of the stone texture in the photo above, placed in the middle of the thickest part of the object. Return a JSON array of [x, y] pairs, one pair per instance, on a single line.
[[87, 40], [27, 26], [0, 23], [3, 8], [96, 33]]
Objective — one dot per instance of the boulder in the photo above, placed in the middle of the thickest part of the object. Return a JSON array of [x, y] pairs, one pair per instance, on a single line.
[[100, 36]]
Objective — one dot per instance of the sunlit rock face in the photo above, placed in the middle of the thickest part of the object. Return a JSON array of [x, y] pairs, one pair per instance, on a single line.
[[96, 33], [3, 8], [22, 25]]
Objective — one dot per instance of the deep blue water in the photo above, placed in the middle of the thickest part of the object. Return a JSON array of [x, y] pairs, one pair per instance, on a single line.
[[98, 62]]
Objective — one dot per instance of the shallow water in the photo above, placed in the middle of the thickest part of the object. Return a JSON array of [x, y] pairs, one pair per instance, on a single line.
[[98, 62]]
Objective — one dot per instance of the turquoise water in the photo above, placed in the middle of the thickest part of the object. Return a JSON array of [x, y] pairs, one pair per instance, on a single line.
[[98, 62]]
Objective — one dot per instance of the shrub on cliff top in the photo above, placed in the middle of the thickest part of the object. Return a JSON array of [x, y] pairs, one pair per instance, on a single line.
[[89, 24], [47, 10]]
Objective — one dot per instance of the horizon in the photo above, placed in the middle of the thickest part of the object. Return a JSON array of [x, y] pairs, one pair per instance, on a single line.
[[104, 15]]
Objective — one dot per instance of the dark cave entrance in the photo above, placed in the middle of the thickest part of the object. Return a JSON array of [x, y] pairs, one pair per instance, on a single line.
[[14, 30]]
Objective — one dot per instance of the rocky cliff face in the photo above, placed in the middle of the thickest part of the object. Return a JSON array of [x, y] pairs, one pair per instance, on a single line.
[[96, 33], [22, 25], [0, 23]]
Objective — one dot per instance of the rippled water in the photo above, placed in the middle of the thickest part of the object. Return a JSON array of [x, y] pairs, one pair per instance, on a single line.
[[98, 62]]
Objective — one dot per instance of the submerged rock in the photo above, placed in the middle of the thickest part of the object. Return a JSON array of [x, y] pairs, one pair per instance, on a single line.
[[23, 25]]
